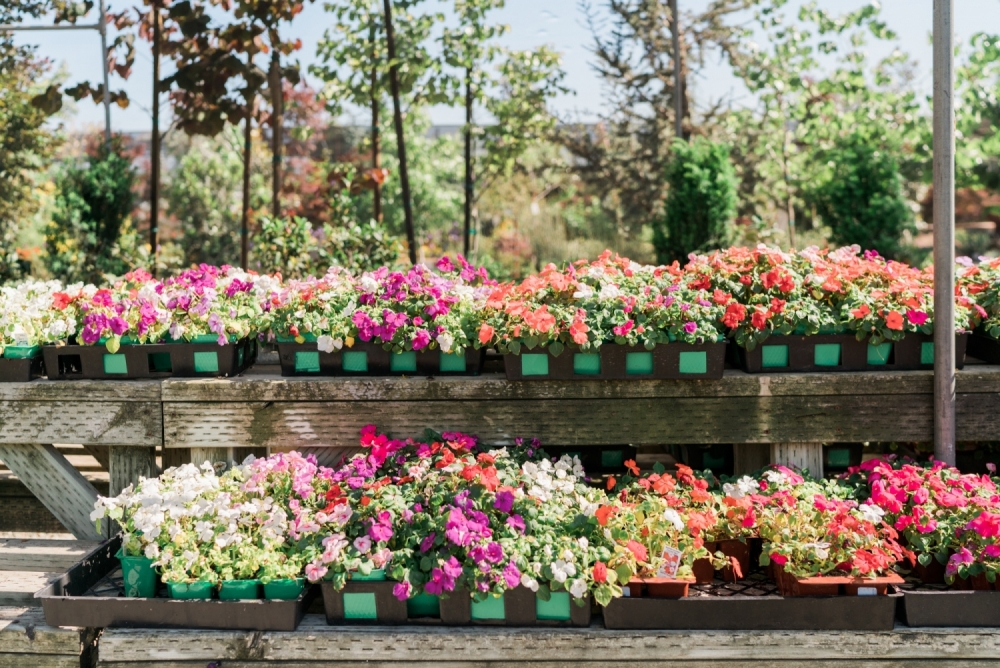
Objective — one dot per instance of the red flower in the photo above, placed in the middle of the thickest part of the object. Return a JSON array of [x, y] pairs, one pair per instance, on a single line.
[[600, 572], [894, 320], [60, 300], [485, 334], [760, 316], [611, 482], [631, 466], [735, 314], [861, 312], [638, 550]]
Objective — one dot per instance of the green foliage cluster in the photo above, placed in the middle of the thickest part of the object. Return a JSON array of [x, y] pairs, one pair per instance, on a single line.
[[90, 235], [701, 201], [860, 195], [293, 248]]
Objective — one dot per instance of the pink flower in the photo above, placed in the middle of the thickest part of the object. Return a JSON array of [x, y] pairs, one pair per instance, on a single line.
[[916, 317], [401, 591], [504, 501], [690, 327], [315, 571], [961, 558]]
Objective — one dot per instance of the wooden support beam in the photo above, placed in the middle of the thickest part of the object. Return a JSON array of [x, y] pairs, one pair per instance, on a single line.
[[100, 453], [54, 482], [807, 456], [750, 457], [128, 464]]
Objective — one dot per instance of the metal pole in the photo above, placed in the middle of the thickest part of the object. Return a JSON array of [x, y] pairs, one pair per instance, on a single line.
[[88, 26], [678, 75], [944, 232], [103, 28]]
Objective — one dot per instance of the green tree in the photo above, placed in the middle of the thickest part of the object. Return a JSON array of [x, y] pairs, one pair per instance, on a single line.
[[860, 196], [90, 236], [701, 200], [26, 146], [978, 115]]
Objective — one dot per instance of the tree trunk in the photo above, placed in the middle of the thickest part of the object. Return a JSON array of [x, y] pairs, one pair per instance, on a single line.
[[397, 112], [469, 182], [376, 134], [277, 110], [245, 219], [154, 176]]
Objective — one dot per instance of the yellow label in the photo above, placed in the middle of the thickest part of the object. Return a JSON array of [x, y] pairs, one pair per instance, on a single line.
[[349, 341]]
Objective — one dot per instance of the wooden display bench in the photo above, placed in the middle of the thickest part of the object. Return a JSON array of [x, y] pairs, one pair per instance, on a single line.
[[779, 418]]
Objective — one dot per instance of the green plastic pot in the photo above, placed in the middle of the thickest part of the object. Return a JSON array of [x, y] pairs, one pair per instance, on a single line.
[[423, 605], [188, 591], [237, 590], [555, 609], [138, 576], [284, 590], [21, 352], [377, 575], [490, 608]]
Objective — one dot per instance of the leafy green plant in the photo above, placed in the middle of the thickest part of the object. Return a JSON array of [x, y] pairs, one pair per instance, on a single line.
[[90, 235], [701, 203], [860, 196]]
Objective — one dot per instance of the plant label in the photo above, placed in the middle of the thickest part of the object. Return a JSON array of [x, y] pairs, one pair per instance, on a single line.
[[671, 562]]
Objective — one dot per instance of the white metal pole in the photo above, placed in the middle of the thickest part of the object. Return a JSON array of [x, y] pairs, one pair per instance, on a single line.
[[944, 232], [102, 23]]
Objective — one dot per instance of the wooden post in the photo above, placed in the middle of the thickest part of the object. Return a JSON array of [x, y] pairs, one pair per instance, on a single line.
[[128, 464], [750, 457], [53, 480], [799, 455], [227, 456]]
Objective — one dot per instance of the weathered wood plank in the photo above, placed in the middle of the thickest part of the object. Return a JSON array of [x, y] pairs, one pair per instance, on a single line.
[[23, 633], [807, 456], [128, 464], [42, 555], [317, 642], [19, 587], [557, 663], [81, 421], [750, 457], [54, 482], [101, 454], [570, 422], [72, 390], [495, 386]]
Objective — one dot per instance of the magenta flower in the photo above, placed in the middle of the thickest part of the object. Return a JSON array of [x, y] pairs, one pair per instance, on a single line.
[[511, 575], [690, 327], [517, 522], [504, 501], [401, 591], [917, 317]]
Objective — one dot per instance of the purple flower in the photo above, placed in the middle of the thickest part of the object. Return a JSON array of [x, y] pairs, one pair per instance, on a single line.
[[690, 327], [494, 553], [504, 501], [380, 533], [401, 590], [355, 482], [511, 575], [452, 568], [427, 542], [517, 522], [421, 339]]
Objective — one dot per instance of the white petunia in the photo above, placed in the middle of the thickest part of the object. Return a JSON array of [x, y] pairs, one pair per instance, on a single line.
[[672, 516], [578, 589]]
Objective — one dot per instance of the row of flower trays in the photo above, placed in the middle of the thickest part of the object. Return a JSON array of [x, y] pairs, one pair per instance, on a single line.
[[611, 318]]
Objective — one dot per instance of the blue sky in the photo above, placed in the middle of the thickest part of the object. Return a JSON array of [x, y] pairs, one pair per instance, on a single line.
[[557, 23]]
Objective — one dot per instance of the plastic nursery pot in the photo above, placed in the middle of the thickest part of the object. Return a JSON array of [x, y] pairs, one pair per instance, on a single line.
[[285, 589], [703, 569], [738, 550], [973, 583], [186, 591], [237, 590], [377, 575], [423, 605], [932, 573], [138, 576], [666, 587]]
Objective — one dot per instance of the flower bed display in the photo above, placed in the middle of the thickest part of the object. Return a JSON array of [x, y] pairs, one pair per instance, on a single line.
[[383, 322], [27, 321]]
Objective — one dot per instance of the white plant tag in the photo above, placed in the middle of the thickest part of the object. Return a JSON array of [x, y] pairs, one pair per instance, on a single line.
[[671, 562], [867, 591]]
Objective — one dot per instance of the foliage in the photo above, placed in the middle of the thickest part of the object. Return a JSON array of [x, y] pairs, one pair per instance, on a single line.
[[701, 202], [360, 247], [978, 114], [25, 147], [286, 246], [91, 234], [860, 195]]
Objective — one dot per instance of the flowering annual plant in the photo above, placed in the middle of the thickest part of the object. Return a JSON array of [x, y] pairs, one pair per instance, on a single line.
[[588, 304], [34, 313], [416, 310]]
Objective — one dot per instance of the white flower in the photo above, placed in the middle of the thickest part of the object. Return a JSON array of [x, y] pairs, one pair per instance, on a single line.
[[583, 292], [328, 344], [152, 551], [368, 284], [776, 477], [446, 341], [363, 544], [567, 555], [578, 589], [342, 514], [609, 291], [583, 543], [744, 486], [871, 513], [561, 570], [529, 582], [672, 516]]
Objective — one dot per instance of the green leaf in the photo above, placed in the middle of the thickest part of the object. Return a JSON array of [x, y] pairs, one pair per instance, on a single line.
[[556, 348]]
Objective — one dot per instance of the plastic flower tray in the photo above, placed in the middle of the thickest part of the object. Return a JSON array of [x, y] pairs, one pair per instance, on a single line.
[[751, 604], [843, 352], [984, 347], [21, 370], [362, 601], [517, 607], [670, 361], [368, 359], [926, 606], [153, 360], [91, 594]]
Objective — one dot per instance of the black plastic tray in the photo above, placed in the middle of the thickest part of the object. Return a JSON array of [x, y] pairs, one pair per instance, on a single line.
[[853, 354], [331, 364], [984, 348], [90, 595], [74, 362], [751, 604], [666, 363], [950, 608], [21, 370]]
